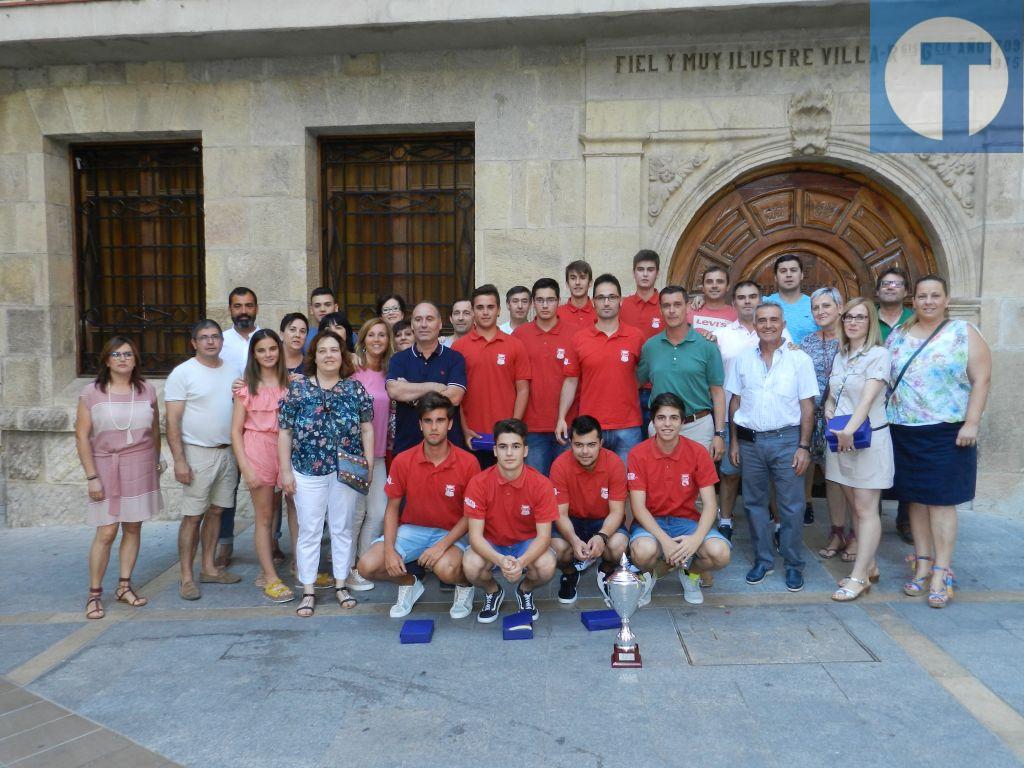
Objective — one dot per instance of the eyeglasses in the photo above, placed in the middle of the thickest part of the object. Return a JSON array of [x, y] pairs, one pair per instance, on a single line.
[[122, 355], [855, 318], [389, 310], [604, 298], [209, 337], [545, 302], [892, 284]]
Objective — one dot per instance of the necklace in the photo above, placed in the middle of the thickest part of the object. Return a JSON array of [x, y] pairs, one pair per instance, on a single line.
[[127, 429]]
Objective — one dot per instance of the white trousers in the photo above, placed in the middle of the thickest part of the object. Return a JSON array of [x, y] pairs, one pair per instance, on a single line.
[[369, 517], [315, 497]]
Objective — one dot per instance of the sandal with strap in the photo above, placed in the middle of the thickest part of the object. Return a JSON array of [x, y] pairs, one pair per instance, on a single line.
[[345, 600], [307, 607], [846, 593], [277, 592], [848, 556], [942, 599], [915, 586], [96, 612], [125, 594], [838, 535]]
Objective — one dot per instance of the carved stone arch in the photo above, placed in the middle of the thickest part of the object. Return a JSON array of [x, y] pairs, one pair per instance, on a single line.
[[910, 187]]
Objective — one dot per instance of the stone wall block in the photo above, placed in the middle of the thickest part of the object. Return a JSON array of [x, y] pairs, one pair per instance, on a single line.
[[51, 110], [61, 457], [514, 254], [22, 380], [32, 503], [19, 130], [627, 117], [1011, 321], [53, 419], [23, 330], [32, 77], [538, 193], [14, 184], [226, 223], [175, 72], [70, 74], [610, 249], [568, 193], [222, 113], [602, 191], [88, 108], [23, 456], [58, 228], [1004, 268], [282, 109], [230, 172], [144, 72], [62, 331], [20, 280], [279, 223], [110, 73], [630, 194], [686, 114], [493, 190], [29, 227]]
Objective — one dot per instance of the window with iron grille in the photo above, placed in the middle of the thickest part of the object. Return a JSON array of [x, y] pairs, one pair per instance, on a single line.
[[139, 249], [397, 218]]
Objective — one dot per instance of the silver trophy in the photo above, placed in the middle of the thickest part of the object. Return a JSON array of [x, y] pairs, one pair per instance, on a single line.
[[624, 590]]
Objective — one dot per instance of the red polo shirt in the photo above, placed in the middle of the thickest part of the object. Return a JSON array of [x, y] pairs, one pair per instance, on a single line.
[[435, 500], [548, 352], [510, 509], [606, 367], [672, 480], [588, 491], [492, 370], [644, 315], [577, 318]]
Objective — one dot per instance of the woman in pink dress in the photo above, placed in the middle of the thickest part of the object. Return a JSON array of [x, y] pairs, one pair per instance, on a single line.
[[254, 441], [117, 431]]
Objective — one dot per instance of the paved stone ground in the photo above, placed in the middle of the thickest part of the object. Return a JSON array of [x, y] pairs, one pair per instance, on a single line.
[[755, 676]]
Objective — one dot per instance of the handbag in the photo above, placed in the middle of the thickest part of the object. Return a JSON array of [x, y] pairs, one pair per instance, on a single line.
[[861, 437], [354, 471]]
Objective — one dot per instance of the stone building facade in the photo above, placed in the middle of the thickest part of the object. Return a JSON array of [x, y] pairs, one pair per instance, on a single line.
[[596, 132]]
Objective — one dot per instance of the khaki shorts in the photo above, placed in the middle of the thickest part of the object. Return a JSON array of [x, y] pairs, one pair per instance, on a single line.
[[214, 480]]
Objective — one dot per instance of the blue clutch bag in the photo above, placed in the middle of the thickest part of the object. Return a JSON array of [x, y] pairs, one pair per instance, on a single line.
[[482, 443], [861, 438]]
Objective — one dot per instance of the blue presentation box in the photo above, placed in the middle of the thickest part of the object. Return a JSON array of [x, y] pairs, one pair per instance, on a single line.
[[595, 620], [517, 626], [417, 631]]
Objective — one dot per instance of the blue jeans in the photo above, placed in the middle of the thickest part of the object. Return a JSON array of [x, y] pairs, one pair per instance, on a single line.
[[227, 521], [766, 461], [645, 406], [544, 449], [622, 441]]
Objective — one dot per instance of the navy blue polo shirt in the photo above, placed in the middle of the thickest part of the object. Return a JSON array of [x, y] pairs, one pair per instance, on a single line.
[[444, 366]]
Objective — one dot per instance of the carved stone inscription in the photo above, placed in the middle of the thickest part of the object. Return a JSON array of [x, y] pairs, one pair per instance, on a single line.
[[741, 59]]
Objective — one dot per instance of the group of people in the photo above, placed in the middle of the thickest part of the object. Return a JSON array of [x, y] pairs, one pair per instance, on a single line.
[[539, 447]]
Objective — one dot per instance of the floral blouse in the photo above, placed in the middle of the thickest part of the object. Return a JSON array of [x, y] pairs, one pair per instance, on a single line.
[[935, 388], [322, 421], [822, 354]]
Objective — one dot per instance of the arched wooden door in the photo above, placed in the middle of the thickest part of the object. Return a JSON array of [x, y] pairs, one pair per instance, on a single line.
[[845, 228]]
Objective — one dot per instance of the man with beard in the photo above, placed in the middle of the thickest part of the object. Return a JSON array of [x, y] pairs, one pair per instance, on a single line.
[[715, 312]]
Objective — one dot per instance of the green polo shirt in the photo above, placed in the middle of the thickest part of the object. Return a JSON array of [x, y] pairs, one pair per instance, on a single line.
[[688, 369], [886, 329]]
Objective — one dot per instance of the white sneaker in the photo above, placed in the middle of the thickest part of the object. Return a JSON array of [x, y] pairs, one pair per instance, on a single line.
[[357, 583], [691, 588], [462, 605], [645, 598], [408, 594]]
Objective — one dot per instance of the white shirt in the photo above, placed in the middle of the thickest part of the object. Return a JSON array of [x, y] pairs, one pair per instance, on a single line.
[[770, 397], [733, 340], [235, 352], [206, 393]]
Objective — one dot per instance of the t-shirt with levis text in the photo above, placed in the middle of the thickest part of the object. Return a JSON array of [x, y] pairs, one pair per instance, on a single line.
[[711, 320], [207, 395]]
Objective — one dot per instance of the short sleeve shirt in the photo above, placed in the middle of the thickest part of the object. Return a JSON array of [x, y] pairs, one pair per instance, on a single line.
[[493, 366], [443, 366], [324, 421], [207, 395], [510, 509], [548, 352], [577, 318], [688, 369], [712, 320], [235, 351], [770, 397], [606, 367], [673, 480], [642, 314], [588, 491], [433, 494], [799, 319]]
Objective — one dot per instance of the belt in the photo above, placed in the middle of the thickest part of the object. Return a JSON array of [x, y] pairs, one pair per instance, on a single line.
[[211, 447], [751, 436], [692, 417]]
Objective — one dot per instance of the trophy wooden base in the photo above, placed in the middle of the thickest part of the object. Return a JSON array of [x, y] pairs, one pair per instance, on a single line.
[[623, 659]]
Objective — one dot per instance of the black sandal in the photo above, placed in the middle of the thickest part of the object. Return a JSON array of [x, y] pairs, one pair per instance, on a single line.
[[308, 604], [347, 599], [94, 597], [124, 589]]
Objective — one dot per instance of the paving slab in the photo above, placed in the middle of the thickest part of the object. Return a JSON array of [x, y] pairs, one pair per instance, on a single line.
[[19, 643]]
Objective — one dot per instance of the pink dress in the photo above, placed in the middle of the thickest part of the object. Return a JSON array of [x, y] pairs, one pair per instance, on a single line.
[[125, 454], [373, 383], [259, 432]]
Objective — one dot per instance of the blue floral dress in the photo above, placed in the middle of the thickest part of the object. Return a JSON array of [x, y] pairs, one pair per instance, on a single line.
[[822, 353], [322, 421]]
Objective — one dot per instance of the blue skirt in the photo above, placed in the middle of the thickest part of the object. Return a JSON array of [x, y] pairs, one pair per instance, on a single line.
[[930, 468]]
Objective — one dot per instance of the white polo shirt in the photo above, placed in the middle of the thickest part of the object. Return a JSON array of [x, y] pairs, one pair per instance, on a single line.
[[235, 352], [770, 397]]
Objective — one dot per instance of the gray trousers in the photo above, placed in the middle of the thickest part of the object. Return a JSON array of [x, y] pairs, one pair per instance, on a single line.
[[764, 462]]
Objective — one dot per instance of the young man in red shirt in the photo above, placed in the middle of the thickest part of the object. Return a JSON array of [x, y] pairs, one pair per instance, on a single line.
[[665, 475], [603, 363], [578, 312], [642, 310], [510, 508], [590, 488], [423, 522], [497, 372], [547, 346]]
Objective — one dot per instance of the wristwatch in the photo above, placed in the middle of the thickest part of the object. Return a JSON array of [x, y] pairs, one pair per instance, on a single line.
[[805, 447], [720, 433]]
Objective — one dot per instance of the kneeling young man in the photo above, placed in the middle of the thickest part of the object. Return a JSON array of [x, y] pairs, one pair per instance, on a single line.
[[665, 474], [510, 508], [430, 478], [590, 488]]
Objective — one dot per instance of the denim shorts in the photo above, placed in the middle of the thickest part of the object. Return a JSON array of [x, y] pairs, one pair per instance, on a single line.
[[675, 526], [413, 540], [586, 528]]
